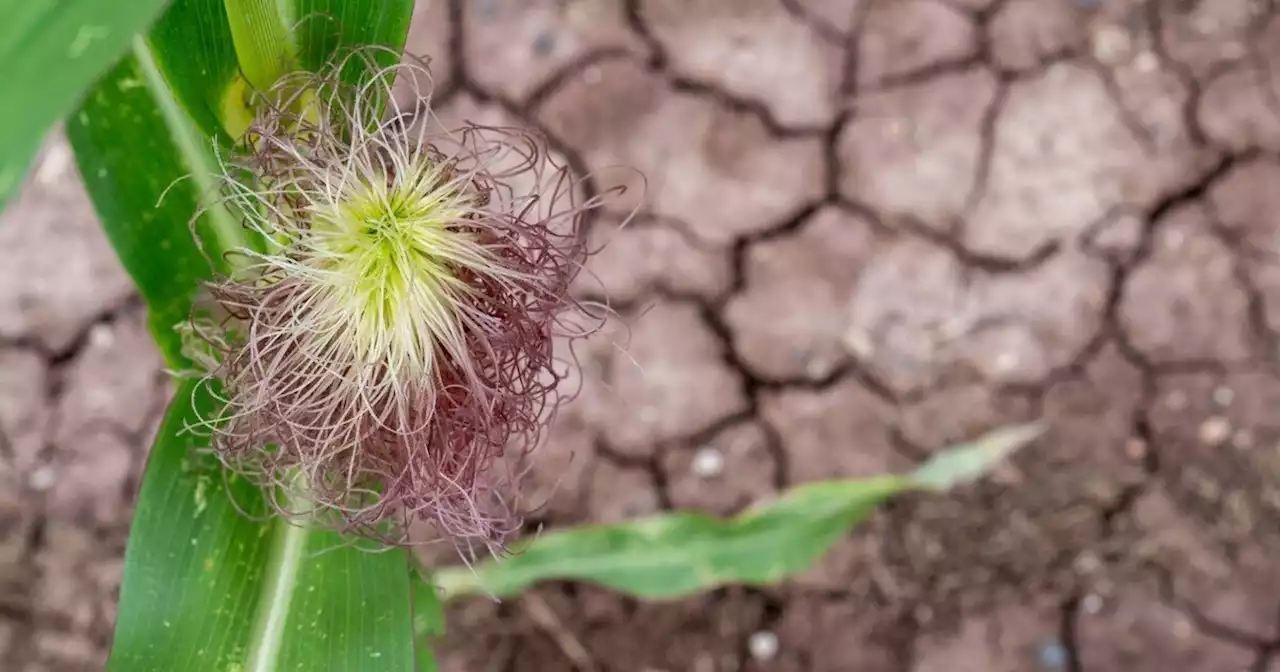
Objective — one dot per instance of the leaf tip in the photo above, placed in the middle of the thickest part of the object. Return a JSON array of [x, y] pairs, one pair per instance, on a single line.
[[967, 462]]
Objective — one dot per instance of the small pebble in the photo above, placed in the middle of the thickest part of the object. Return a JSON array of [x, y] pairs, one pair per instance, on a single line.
[[43, 478], [1087, 563], [1006, 362], [101, 336], [1146, 62], [1092, 603], [859, 343], [1223, 396], [56, 162], [763, 645], [1053, 656], [1215, 431], [543, 44], [815, 366], [1111, 44], [708, 462]]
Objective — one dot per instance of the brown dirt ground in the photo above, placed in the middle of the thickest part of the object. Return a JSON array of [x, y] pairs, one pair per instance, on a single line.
[[872, 228]]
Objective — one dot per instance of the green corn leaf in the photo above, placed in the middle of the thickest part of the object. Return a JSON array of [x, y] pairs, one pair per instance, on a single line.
[[133, 144], [204, 81], [683, 553], [263, 44], [327, 27], [147, 128], [210, 582], [428, 620], [971, 461], [208, 82], [49, 53], [678, 554]]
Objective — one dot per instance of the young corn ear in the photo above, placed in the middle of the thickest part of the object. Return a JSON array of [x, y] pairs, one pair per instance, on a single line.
[[392, 336]]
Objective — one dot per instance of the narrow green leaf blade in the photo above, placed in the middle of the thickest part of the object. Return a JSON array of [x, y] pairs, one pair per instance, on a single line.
[[189, 551], [682, 553], [133, 146], [213, 583], [49, 53]]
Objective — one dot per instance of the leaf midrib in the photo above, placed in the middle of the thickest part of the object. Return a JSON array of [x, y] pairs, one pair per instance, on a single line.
[[280, 582]]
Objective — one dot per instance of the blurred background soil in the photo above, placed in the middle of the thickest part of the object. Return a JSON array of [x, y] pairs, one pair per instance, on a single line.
[[872, 228]]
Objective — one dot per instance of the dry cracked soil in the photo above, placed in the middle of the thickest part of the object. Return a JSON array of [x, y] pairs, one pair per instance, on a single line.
[[870, 228]]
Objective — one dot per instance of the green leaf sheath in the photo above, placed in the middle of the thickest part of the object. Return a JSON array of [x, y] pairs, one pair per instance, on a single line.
[[49, 53], [262, 42], [192, 46], [680, 554], [207, 587], [326, 28]]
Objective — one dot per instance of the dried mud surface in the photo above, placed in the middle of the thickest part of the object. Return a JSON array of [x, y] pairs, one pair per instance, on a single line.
[[871, 228]]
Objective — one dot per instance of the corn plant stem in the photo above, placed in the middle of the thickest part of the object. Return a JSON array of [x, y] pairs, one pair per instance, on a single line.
[[261, 39]]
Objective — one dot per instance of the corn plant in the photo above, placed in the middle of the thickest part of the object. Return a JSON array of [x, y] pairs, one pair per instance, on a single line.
[[359, 316]]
